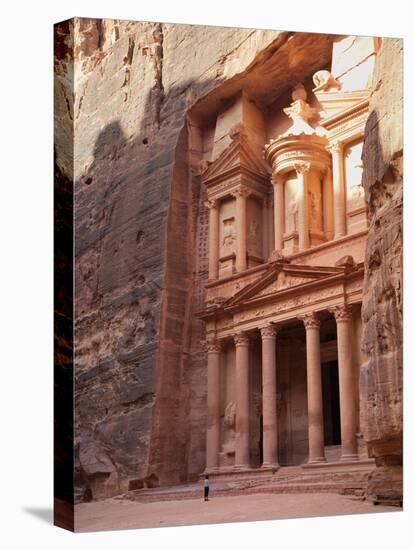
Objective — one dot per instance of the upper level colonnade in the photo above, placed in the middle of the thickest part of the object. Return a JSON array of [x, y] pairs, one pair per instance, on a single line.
[[299, 190]]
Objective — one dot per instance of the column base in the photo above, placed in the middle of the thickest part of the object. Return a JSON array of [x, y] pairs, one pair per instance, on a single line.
[[241, 467], [317, 460], [274, 466], [349, 458]]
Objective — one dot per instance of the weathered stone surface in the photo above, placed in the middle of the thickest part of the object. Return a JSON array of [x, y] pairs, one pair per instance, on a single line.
[[133, 83], [152, 103], [137, 203], [381, 374], [63, 286]]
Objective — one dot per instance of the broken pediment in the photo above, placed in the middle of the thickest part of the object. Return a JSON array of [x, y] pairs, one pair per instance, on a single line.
[[237, 158], [334, 102]]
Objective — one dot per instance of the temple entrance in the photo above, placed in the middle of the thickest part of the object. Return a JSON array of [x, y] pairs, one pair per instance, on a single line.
[[331, 403]]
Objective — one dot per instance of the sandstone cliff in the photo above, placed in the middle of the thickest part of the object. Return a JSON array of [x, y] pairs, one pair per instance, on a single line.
[[136, 96], [125, 88], [381, 374]]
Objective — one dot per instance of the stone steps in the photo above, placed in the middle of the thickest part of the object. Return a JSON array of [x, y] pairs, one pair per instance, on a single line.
[[344, 484]]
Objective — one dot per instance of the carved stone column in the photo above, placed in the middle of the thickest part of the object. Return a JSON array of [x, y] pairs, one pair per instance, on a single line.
[[328, 205], [278, 183], [347, 384], [241, 195], [212, 443], [242, 458], [314, 390], [269, 397], [270, 206], [302, 169], [213, 257], [336, 150], [265, 228]]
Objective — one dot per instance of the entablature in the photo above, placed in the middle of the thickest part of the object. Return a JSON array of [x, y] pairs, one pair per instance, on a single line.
[[286, 291]]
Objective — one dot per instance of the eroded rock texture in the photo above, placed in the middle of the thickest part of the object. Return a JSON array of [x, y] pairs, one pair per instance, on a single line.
[[138, 96], [126, 88], [381, 374]]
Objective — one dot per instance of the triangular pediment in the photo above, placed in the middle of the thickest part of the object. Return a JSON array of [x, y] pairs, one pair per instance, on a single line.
[[281, 277], [282, 281], [237, 156]]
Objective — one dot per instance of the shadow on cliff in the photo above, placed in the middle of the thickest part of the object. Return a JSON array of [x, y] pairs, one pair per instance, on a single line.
[[381, 416], [128, 255], [132, 260]]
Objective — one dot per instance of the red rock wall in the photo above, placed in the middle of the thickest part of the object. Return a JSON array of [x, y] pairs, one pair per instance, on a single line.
[[381, 375], [139, 97], [136, 202]]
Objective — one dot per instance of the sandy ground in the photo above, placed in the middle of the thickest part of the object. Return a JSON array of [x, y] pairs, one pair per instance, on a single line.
[[123, 514]]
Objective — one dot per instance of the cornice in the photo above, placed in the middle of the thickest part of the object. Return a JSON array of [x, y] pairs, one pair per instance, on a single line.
[[352, 112]]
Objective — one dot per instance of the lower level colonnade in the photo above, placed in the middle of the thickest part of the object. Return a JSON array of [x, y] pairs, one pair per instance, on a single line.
[[269, 332]]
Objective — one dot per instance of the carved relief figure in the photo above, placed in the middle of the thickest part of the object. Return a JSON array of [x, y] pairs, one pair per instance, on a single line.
[[228, 446], [229, 416], [253, 232], [315, 209], [291, 218], [354, 171], [229, 233]]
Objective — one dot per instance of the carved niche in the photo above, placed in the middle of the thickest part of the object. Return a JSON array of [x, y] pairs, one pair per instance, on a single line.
[[228, 233], [254, 228]]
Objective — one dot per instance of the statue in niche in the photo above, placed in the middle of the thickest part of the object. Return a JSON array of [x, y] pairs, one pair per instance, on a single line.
[[354, 172], [291, 221], [357, 189], [315, 209], [253, 232], [229, 416], [229, 233], [228, 446]]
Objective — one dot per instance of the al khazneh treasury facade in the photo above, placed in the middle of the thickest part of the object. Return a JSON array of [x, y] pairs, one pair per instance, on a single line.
[[287, 227], [238, 297]]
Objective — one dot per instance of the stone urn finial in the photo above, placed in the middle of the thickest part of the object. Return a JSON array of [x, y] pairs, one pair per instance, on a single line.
[[300, 110]]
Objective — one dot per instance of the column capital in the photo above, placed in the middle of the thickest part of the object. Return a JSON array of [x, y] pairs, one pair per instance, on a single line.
[[269, 331], [341, 313], [213, 345], [241, 191], [241, 339], [211, 203], [277, 179], [335, 147], [302, 167], [310, 320]]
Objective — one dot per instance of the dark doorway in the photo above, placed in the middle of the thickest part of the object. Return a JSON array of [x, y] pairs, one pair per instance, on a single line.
[[331, 403]]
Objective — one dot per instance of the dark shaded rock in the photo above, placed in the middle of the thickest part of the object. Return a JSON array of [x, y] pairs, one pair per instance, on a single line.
[[381, 374]]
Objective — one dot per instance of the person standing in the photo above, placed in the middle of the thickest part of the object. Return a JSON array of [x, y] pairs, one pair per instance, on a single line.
[[206, 488]]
